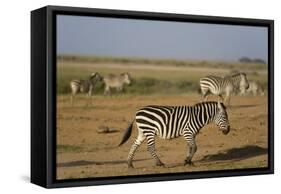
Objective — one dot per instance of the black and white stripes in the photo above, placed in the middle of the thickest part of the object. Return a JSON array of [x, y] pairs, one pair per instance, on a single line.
[[223, 85], [169, 122]]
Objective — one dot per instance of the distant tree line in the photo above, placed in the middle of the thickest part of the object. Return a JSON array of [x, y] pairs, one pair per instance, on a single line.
[[249, 60]]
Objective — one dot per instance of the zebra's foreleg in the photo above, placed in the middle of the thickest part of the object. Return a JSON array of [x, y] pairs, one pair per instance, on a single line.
[[221, 98], [205, 95], [90, 96], [151, 149], [192, 148], [133, 149], [227, 97], [255, 92], [71, 99], [227, 100], [106, 90], [205, 98], [120, 89]]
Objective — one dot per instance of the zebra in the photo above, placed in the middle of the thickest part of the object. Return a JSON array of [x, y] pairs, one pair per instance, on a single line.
[[223, 85], [254, 89], [116, 81], [84, 86], [170, 122]]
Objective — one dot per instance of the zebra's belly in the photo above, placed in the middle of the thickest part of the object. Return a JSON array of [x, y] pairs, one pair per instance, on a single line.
[[169, 137], [216, 92], [168, 133], [84, 88], [114, 84]]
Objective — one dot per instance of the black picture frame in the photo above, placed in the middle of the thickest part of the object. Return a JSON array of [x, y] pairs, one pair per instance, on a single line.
[[43, 95]]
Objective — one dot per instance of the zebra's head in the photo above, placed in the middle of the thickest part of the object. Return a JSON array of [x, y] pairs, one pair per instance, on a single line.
[[127, 78], [96, 76], [221, 118], [244, 84]]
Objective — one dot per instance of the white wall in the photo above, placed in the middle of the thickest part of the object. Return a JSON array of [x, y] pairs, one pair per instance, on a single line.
[[15, 89]]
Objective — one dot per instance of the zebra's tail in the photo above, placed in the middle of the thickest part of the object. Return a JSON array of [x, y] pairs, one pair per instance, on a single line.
[[127, 133]]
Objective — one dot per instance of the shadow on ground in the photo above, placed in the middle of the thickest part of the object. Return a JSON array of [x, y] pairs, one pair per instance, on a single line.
[[244, 106], [242, 153], [230, 154], [85, 163], [237, 153]]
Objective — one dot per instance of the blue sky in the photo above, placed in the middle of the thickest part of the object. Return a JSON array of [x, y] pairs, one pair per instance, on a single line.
[[158, 39]]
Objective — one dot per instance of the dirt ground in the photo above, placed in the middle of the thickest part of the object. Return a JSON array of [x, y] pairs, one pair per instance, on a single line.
[[82, 151]]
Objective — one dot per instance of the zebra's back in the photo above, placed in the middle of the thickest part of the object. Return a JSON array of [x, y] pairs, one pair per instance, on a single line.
[[212, 83], [165, 121], [80, 85], [113, 80]]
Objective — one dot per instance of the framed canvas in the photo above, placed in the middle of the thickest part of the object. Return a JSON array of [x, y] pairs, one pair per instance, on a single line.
[[125, 96]]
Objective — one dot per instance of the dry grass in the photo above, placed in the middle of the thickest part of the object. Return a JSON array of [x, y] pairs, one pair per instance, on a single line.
[[83, 152]]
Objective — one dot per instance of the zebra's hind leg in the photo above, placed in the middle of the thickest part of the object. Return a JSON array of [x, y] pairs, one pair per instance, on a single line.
[[151, 149], [133, 149], [90, 99]]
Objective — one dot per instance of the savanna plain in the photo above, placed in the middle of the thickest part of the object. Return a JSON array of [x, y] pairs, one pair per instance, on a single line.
[[88, 133]]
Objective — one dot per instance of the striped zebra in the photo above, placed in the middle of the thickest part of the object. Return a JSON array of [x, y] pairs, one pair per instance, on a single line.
[[116, 81], [170, 122], [84, 86], [223, 85], [254, 89]]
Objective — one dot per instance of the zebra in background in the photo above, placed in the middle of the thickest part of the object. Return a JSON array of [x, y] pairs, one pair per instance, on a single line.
[[254, 89], [116, 81], [84, 86], [223, 85], [170, 122]]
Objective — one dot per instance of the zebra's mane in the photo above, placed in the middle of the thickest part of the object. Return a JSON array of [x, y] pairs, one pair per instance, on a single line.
[[209, 102], [235, 75], [94, 75], [126, 73]]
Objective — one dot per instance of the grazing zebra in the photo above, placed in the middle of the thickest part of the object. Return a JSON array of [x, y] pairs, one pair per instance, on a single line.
[[116, 81], [84, 86], [223, 85], [170, 122], [254, 89]]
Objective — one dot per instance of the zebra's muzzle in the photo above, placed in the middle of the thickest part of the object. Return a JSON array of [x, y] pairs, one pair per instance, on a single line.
[[226, 131]]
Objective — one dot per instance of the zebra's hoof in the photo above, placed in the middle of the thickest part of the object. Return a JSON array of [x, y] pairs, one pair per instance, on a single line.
[[160, 164], [130, 166], [188, 162]]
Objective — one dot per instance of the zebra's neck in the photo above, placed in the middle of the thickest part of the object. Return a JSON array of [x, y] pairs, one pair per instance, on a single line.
[[203, 114], [235, 79], [94, 79]]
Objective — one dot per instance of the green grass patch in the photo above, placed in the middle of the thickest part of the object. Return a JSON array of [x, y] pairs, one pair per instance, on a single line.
[[151, 76]]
